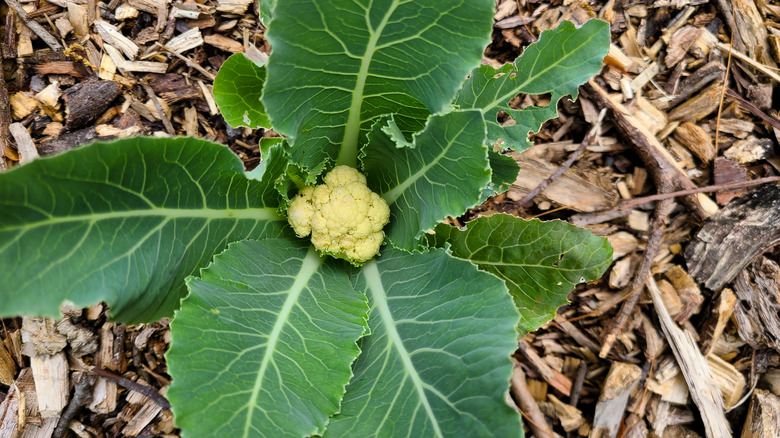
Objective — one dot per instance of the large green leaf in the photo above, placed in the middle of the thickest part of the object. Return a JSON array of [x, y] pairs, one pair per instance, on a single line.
[[363, 59], [541, 262], [436, 363], [238, 88], [562, 60], [122, 222], [441, 174], [264, 343]]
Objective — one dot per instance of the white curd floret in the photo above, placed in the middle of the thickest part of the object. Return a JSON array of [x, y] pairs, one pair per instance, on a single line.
[[344, 217]]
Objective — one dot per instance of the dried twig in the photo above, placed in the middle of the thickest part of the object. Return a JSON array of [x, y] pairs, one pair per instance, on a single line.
[[9, 42], [189, 62], [536, 420], [42, 33], [756, 111], [707, 189], [164, 117], [657, 226], [667, 175], [567, 164], [82, 395], [576, 389], [147, 391], [5, 121]]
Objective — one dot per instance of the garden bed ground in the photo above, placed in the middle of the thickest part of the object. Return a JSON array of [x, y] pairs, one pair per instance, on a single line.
[[681, 337]]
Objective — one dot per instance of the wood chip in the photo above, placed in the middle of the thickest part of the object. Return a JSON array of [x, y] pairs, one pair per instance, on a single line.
[[113, 37], [24, 143], [694, 368], [224, 43], [611, 407], [697, 140], [763, 417], [186, 41]]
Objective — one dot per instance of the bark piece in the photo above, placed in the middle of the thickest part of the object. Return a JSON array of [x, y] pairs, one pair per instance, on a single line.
[[69, 140], [699, 106], [7, 366], [763, 418], [621, 380], [553, 377], [734, 236], [688, 290], [112, 36], [728, 171], [22, 105], [758, 312], [88, 100], [70, 68]]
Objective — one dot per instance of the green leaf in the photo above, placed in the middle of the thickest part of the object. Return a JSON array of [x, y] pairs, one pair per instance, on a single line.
[[436, 363], [263, 345], [272, 165], [562, 60], [363, 59], [267, 11], [442, 174], [503, 173], [541, 262], [123, 222], [238, 88]]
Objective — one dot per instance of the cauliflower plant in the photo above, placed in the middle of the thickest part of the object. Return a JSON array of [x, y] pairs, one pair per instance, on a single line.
[[344, 217]]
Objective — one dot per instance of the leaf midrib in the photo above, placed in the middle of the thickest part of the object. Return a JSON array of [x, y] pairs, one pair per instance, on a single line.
[[264, 213], [309, 266], [349, 144], [392, 195], [374, 281]]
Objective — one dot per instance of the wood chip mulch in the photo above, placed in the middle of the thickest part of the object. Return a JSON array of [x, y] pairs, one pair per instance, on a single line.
[[680, 338]]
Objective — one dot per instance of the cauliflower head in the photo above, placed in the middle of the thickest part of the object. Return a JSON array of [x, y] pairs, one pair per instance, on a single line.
[[344, 217]]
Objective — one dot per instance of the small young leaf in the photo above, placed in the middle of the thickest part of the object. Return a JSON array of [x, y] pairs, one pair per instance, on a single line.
[[123, 222], [237, 91], [541, 262], [562, 60], [263, 345], [362, 60], [441, 175], [436, 363]]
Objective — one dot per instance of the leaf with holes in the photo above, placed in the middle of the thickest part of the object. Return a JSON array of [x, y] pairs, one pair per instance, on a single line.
[[264, 343], [562, 60]]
